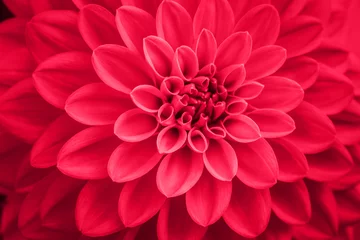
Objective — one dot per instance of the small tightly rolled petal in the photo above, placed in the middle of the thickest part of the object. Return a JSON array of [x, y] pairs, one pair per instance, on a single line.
[[197, 141]]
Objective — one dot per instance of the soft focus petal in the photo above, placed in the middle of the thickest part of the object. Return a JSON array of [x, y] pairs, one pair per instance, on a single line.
[[150, 6]]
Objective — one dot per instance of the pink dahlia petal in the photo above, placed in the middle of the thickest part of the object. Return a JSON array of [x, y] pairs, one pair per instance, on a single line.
[[185, 63], [171, 214], [179, 171], [330, 164], [277, 229], [258, 167], [291, 202], [303, 70], [292, 162], [111, 5], [288, 9], [208, 199], [171, 139], [94, 213], [147, 98], [242, 7], [248, 216], [272, 123], [20, 108], [97, 104], [190, 5], [278, 93], [60, 75], [300, 35], [8, 141], [241, 128], [263, 24], [46, 5], [159, 54], [235, 106], [220, 160], [135, 125], [347, 205], [46, 148], [314, 131], [166, 115], [312, 7], [206, 47], [121, 168], [97, 26], [216, 16], [134, 24], [232, 77], [86, 154], [220, 230], [53, 32], [265, 61], [236, 49], [332, 91], [120, 68], [214, 131], [140, 200], [249, 90], [150, 6], [174, 24], [197, 141], [20, 8]]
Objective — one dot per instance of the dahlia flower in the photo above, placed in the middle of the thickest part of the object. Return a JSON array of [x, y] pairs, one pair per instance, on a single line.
[[178, 119]]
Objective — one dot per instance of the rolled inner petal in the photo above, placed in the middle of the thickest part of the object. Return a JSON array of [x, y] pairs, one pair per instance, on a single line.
[[171, 139]]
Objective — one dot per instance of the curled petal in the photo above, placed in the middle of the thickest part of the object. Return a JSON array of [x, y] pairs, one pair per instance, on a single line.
[[206, 47], [171, 139], [166, 115], [232, 77], [241, 128], [135, 125], [147, 98], [235, 106], [197, 141], [249, 90], [214, 131], [185, 63], [171, 86]]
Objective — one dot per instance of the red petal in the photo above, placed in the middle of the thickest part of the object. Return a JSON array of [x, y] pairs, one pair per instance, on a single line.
[[97, 104], [206, 47], [135, 125], [312, 7], [111, 5], [249, 90], [241, 128], [140, 200], [197, 141], [190, 5], [330, 164], [288, 9], [292, 162], [314, 131], [174, 24], [45, 5], [232, 77], [291, 202], [150, 6], [134, 24], [300, 35], [171, 139], [59, 76], [220, 230], [348, 205], [95, 212], [147, 98], [86, 154], [258, 167], [53, 32], [272, 123], [122, 168], [220, 160], [235, 106], [185, 63], [19, 8], [279, 93], [46, 148], [249, 210], [121, 68], [97, 26], [263, 24], [216, 16], [235, 49], [179, 171], [208, 199], [168, 227], [265, 61], [8, 141]]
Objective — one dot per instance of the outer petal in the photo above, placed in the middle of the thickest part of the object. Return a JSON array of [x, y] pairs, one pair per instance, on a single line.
[[208, 199], [120, 68], [148, 5], [179, 171], [240, 8], [263, 24], [249, 210], [111, 5], [97, 104], [258, 167], [206, 47], [348, 207], [288, 9], [171, 139], [94, 213], [60, 75], [121, 168], [86, 154], [140, 200], [241, 128]]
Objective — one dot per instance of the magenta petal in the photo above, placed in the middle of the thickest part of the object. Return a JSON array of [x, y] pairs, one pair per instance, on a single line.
[[148, 5], [347, 205], [241, 128], [265, 61], [140, 200], [248, 216], [208, 199], [258, 167], [111, 5], [147, 98], [263, 24], [197, 141], [121, 68], [272, 123], [134, 24], [135, 125], [235, 106], [288, 8], [179, 171], [220, 160], [206, 47], [185, 63], [249, 90], [232, 77], [171, 86], [97, 26], [97, 104], [170, 139], [291, 202], [174, 24], [121, 168], [87, 153], [95, 215]]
